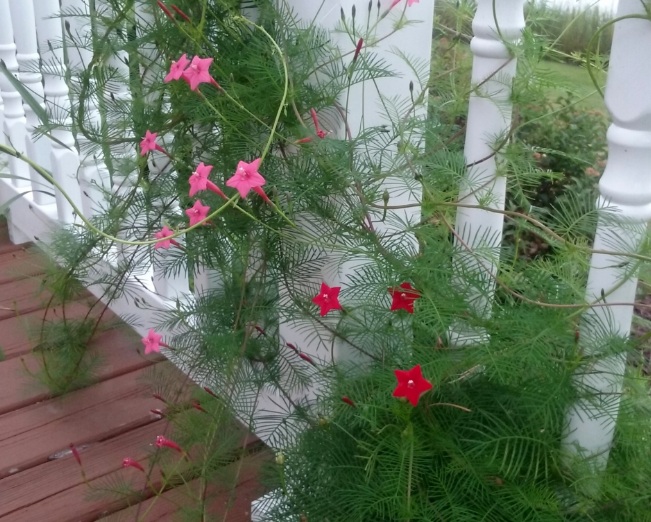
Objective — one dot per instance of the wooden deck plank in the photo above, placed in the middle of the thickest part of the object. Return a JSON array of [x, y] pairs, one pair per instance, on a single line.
[[30, 435], [223, 500], [20, 264], [56, 476], [5, 244], [116, 352], [57, 507], [21, 297], [16, 331]]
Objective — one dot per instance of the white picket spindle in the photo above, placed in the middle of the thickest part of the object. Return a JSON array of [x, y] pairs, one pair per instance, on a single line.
[[14, 129], [479, 232], [38, 149], [94, 177], [64, 156], [625, 204]]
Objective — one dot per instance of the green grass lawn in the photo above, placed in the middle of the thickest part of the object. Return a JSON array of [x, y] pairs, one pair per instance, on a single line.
[[576, 79]]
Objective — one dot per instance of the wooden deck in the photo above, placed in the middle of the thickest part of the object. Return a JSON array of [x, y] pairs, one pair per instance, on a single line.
[[40, 481]]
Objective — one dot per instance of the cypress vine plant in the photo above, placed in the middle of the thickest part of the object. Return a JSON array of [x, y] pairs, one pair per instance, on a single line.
[[234, 158]]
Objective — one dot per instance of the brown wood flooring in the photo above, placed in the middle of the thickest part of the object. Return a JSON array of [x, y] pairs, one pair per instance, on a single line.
[[40, 481]]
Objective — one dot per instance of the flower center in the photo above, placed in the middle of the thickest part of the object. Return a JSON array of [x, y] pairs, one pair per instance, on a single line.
[[243, 173], [325, 296], [403, 296], [410, 383]]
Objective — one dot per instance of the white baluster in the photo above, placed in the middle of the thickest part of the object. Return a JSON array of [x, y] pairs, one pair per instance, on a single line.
[[3, 141], [94, 177], [625, 204], [64, 155], [14, 129], [479, 232], [38, 149], [171, 286]]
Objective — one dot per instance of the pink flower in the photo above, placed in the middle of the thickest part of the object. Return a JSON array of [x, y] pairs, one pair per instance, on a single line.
[[328, 299], [199, 178], [199, 181], [163, 234], [409, 3], [247, 178], [177, 68], [199, 72], [152, 342], [197, 213], [162, 442], [149, 144], [403, 298], [319, 132], [411, 384], [128, 462]]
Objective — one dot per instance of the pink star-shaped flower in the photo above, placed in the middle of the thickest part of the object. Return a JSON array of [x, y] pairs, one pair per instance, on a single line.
[[403, 298], [152, 342], [163, 234], [177, 68], [328, 299], [148, 144], [199, 178], [197, 212], [411, 384], [198, 72], [247, 178]]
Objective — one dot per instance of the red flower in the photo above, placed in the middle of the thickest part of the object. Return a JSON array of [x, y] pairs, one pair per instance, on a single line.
[[75, 453], [128, 462], [403, 297], [328, 299], [348, 401], [162, 442], [411, 384]]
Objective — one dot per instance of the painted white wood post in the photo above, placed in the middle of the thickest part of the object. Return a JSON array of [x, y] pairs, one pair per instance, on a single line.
[[94, 177], [38, 149], [14, 129], [64, 156], [479, 232], [365, 110], [625, 204]]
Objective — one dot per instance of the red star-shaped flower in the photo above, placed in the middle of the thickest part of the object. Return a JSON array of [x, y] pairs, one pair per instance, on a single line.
[[328, 299], [197, 212], [403, 297], [411, 384]]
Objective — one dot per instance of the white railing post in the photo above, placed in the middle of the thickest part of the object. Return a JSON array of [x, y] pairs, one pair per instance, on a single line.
[[625, 204], [478, 232], [64, 155], [38, 149], [365, 111]]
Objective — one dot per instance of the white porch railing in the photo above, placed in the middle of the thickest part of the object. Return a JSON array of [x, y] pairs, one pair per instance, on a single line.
[[26, 33]]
